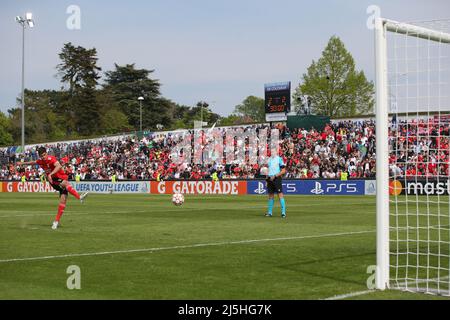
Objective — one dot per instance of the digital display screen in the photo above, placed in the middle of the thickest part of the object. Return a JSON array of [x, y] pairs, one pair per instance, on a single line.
[[277, 97]]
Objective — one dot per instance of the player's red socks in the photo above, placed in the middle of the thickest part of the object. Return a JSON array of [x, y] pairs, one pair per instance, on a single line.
[[73, 192], [61, 208]]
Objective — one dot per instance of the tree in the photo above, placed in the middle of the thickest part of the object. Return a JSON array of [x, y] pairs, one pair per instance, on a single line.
[[334, 86], [232, 120], [6, 138], [114, 121], [78, 68], [126, 84], [252, 107], [87, 112], [43, 119], [202, 111], [184, 116]]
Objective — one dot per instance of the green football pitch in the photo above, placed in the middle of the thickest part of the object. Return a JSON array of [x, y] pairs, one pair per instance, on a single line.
[[212, 247]]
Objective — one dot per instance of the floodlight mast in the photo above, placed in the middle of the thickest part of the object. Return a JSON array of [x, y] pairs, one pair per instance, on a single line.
[[23, 22], [140, 112]]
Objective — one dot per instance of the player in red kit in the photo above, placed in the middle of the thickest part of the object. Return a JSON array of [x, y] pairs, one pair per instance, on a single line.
[[58, 179]]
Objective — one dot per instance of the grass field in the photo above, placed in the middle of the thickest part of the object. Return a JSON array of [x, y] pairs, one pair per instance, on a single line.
[[213, 247]]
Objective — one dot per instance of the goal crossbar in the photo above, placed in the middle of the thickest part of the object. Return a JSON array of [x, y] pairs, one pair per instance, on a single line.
[[416, 31]]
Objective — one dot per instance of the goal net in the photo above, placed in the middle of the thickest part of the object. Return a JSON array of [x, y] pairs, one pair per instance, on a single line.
[[413, 174]]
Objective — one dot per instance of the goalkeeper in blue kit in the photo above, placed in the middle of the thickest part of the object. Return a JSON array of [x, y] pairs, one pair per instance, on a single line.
[[276, 169]]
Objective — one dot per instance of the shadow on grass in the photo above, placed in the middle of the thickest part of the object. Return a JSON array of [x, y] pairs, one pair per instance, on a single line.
[[325, 273]]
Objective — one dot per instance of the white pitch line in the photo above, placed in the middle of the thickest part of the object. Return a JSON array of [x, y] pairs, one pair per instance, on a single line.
[[349, 295], [400, 288], [199, 245]]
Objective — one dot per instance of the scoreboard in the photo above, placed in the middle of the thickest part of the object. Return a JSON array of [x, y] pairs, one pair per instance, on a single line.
[[277, 97]]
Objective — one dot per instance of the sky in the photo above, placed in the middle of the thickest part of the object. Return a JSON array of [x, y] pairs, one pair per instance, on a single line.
[[219, 51]]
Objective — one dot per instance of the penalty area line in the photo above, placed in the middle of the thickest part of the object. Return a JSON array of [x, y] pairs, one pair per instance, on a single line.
[[198, 245]]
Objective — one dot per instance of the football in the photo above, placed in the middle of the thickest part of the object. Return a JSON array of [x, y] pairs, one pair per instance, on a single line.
[[178, 199], [264, 171]]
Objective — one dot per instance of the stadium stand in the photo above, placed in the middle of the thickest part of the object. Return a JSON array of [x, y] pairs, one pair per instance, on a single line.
[[342, 146]]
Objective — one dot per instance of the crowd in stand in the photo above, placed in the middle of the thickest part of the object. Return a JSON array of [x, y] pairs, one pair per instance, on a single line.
[[418, 148]]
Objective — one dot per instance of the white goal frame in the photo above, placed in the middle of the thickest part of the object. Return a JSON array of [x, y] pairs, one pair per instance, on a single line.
[[382, 26]]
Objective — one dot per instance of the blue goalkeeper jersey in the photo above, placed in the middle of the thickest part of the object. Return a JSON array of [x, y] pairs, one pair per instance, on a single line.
[[275, 165]]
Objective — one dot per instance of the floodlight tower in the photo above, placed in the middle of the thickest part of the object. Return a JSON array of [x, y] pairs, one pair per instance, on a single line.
[[140, 112], [24, 22]]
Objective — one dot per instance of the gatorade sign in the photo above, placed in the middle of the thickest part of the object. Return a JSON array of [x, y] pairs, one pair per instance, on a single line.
[[199, 187]]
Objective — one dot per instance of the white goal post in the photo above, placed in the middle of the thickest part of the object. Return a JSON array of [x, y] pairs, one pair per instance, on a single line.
[[408, 259]]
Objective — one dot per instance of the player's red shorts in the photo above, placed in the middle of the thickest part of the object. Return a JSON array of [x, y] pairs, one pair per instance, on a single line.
[[57, 179], [60, 176]]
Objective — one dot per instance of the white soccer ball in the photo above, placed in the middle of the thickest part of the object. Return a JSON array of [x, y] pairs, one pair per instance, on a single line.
[[264, 171], [178, 199]]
